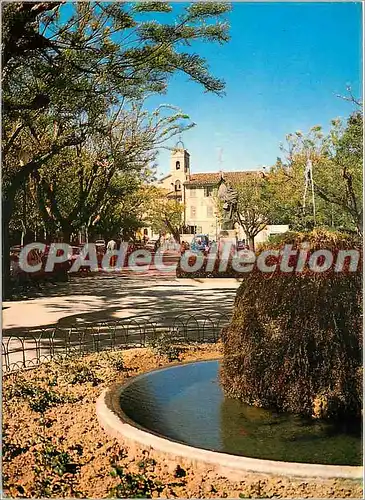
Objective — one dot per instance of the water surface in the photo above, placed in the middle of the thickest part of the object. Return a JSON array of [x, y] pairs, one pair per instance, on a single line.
[[186, 403]]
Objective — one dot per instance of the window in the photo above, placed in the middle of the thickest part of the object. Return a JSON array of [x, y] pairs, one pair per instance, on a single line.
[[192, 211], [208, 191], [210, 212], [177, 186], [192, 193], [177, 165]]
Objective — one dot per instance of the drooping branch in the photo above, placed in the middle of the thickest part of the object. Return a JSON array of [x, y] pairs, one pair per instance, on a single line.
[[37, 162]]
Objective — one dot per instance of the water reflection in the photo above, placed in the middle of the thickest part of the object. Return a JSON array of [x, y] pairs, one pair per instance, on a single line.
[[186, 404]]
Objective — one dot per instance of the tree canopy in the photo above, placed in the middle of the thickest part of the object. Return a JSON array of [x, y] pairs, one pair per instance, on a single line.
[[163, 213], [76, 77], [277, 196], [337, 176]]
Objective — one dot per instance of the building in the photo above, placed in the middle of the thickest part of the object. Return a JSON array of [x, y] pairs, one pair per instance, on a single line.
[[197, 191]]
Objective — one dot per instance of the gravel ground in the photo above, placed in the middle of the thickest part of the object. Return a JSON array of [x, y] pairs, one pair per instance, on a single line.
[[54, 447]]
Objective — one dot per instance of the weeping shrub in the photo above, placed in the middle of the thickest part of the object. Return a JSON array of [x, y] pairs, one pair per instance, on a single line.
[[295, 339]]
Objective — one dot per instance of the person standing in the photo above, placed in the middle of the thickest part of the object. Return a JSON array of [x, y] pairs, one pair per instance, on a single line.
[[112, 245]]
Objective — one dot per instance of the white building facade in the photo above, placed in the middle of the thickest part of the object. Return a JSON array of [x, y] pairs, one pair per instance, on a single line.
[[198, 193]]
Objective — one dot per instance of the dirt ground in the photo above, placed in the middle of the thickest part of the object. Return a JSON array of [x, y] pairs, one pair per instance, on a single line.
[[53, 445]]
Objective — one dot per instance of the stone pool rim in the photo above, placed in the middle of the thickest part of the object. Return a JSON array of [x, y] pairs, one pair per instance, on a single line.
[[117, 424]]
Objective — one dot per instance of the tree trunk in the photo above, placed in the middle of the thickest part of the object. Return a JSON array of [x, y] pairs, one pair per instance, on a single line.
[[7, 206], [66, 235], [359, 224], [176, 235], [175, 232], [251, 242]]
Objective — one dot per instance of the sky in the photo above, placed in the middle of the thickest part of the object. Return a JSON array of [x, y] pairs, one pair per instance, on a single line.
[[283, 67]]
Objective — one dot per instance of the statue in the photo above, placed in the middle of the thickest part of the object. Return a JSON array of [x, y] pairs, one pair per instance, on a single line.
[[229, 196]]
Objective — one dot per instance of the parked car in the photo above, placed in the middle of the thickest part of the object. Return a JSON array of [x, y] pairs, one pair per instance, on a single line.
[[200, 243], [35, 256], [151, 243]]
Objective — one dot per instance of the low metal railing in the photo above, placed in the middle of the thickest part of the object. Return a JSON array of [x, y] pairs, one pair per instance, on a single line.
[[35, 346]]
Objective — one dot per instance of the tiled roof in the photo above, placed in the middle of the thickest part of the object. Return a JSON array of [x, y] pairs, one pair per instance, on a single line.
[[211, 178]]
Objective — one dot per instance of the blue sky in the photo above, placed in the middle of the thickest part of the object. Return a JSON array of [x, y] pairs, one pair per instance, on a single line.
[[283, 67]]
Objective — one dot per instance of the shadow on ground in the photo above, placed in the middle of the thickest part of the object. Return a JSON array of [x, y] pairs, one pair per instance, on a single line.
[[104, 297]]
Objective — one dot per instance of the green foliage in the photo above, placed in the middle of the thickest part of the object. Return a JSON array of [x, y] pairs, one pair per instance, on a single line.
[[74, 370], [118, 364], [295, 339], [76, 190], [147, 462], [163, 213], [57, 461], [39, 398], [166, 344], [82, 374], [255, 205], [75, 80], [69, 65], [55, 472], [337, 176], [152, 7], [121, 212], [133, 485], [140, 485], [256, 491]]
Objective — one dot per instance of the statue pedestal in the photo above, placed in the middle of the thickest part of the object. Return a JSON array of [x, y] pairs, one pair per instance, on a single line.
[[226, 240], [227, 235]]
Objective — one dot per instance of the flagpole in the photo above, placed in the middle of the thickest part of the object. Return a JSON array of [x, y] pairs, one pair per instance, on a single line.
[[313, 201], [308, 174]]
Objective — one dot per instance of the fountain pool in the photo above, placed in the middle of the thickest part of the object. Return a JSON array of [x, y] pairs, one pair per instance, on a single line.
[[183, 408]]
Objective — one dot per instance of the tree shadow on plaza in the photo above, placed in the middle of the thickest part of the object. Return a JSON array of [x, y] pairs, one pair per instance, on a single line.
[[121, 296], [169, 303], [103, 330]]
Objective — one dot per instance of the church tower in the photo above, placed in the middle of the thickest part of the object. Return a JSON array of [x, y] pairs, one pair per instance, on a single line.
[[179, 169], [180, 163]]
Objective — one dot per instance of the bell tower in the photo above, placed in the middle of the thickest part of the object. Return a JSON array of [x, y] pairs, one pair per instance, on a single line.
[[179, 171], [180, 163]]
